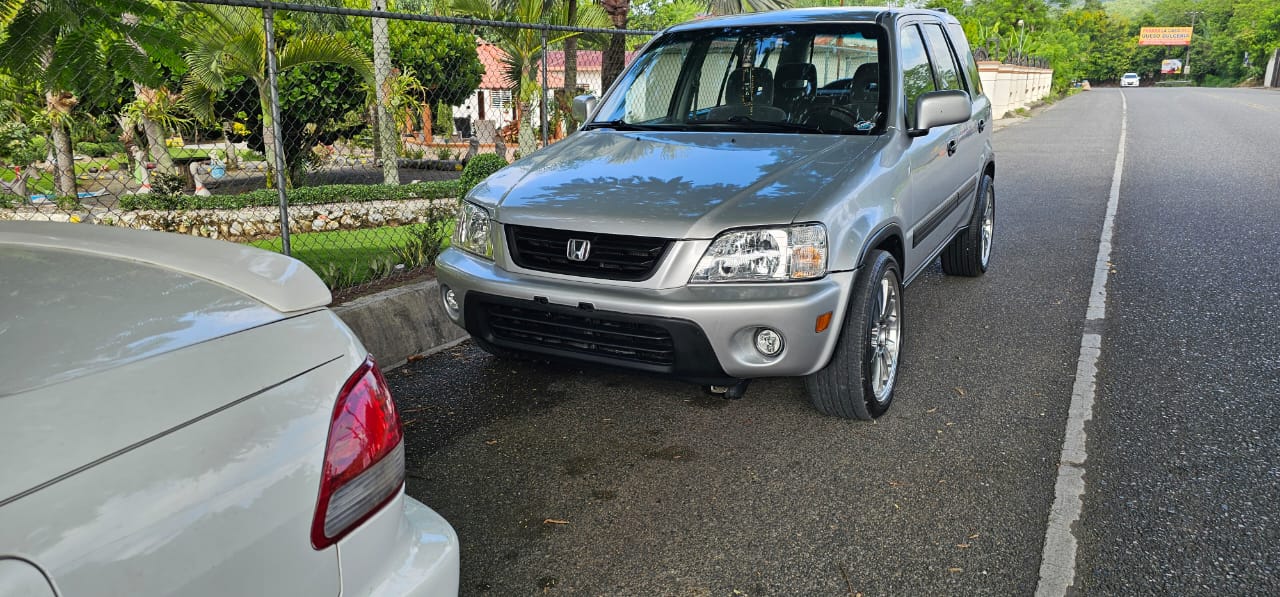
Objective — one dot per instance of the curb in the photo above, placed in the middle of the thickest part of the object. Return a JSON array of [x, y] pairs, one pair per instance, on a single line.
[[402, 322]]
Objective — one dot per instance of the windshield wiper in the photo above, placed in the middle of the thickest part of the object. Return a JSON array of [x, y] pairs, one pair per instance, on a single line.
[[747, 120], [622, 125]]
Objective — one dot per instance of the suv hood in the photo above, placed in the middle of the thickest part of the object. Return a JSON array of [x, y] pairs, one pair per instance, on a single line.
[[678, 185]]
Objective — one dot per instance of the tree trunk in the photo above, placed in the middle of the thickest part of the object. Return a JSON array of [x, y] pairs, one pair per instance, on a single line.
[[64, 178], [231, 160], [615, 54], [571, 62], [528, 142], [269, 138], [373, 122], [156, 143], [154, 132]]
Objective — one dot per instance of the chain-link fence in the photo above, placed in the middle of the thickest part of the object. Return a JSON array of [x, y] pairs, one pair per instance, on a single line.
[[357, 127]]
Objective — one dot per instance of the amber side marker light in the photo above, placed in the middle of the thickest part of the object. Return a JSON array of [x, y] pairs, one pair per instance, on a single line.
[[823, 322]]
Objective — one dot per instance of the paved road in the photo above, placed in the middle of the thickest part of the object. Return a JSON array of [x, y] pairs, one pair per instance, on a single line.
[[584, 481], [1184, 472]]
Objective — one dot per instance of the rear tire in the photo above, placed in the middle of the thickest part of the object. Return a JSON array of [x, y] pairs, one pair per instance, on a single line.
[[969, 253], [859, 380]]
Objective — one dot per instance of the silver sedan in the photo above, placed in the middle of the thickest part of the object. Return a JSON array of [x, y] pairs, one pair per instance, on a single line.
[[185, 417]]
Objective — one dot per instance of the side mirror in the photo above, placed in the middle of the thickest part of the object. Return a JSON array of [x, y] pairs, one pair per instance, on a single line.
[[940, 108], [583, 106]]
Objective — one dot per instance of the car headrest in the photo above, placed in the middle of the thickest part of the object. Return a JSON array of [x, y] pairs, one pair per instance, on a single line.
[[795, 79], [866, 78], [761, 90]]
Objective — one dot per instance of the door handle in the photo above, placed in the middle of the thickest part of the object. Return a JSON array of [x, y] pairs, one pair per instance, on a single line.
[[951, 147], [982, 124]]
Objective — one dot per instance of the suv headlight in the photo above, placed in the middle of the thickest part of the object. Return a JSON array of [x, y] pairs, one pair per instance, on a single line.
[[765, 255], [471, 230]]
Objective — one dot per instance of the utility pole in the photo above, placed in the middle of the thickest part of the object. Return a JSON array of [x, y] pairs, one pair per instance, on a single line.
[[1186, 64]]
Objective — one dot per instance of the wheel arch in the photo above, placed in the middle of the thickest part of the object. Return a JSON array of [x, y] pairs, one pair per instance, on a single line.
[[886, 238]]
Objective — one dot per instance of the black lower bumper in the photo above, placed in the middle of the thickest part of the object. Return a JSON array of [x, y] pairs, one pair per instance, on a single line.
[[666, 346]]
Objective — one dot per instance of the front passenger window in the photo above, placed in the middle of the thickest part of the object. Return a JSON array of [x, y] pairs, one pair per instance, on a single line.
[[917, 75], [944, 63]]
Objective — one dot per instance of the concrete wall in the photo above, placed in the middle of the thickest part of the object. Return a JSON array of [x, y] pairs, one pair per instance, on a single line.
[[402, 322], [1011, 87], [1272, 77]]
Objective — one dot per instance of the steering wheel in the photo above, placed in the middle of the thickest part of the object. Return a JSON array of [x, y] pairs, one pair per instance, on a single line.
[[831, 110]]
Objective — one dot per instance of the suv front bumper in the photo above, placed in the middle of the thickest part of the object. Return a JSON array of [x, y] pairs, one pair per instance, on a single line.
[[701, 333]]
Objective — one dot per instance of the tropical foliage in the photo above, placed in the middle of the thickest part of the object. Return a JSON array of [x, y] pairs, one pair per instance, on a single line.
[[228, 48], [93, 73], [1098, 41], [54, 53], [522, 48]]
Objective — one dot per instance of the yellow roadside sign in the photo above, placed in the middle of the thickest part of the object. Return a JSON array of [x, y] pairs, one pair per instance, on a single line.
[[1164, 36]]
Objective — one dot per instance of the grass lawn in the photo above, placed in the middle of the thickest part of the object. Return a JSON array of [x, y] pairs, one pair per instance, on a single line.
[[346, 258]]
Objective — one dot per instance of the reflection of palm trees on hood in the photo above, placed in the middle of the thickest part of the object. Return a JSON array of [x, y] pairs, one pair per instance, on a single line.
[[676, 185], [626, 149], [649, 193]]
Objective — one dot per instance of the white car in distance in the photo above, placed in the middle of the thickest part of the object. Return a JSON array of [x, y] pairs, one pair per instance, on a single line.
[[185, 416], [1129, 80]]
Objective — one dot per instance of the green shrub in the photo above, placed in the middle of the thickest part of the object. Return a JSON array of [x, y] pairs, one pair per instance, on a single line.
[[158, 201], [99, 150], [167, 185], [336, 193], [479, 168], [7, 201], [18, 146], [67, 202], [424, 245], [443, 124]]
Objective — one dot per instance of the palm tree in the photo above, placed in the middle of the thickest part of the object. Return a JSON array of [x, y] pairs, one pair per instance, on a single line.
[[615, 53], [523, 47], [733, 7], [620, 10], [226, 43], [69, 48]]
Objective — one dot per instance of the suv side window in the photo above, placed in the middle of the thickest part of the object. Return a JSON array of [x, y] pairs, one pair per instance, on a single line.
[[944, 63], [966, 58], [917, 74]]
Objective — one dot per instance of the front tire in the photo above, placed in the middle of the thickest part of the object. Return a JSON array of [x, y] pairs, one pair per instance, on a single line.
[[859, 380], [969, 252]]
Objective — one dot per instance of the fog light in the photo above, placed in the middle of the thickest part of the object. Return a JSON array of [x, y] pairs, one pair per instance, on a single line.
[[450, 300], [768, 342]]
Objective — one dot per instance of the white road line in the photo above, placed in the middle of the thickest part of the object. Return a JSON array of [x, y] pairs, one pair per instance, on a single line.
[[1058, 561]]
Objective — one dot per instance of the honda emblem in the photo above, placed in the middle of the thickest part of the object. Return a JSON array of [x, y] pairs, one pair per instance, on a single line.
[[578, 249]]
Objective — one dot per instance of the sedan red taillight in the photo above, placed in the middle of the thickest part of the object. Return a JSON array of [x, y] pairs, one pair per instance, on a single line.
[[364, 458]]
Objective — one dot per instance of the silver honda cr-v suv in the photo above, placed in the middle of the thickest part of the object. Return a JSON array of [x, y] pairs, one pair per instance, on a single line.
[[747, 200]]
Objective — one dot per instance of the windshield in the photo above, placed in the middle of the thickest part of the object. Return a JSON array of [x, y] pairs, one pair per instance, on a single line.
[[822, 79]]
